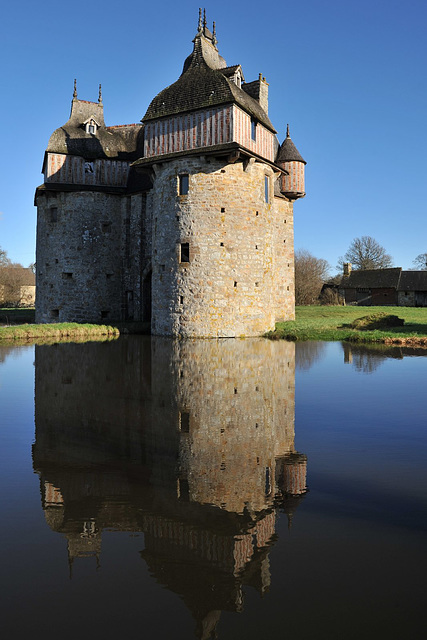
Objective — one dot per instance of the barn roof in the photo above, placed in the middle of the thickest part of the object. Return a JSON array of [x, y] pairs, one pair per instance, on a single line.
[[372, 279], [413, 281]]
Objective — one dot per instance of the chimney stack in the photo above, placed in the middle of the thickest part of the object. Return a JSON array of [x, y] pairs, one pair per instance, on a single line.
[[346, 269]]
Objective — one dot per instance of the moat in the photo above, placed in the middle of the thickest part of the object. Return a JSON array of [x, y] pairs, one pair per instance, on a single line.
[[154, 488]]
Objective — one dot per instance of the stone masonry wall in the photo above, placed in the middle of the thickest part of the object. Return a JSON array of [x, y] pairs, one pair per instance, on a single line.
[[226, 289], [78, 257], [284, 261]]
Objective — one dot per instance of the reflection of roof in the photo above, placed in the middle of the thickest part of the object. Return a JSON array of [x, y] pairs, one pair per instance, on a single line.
[[372, 279], [203, 83]]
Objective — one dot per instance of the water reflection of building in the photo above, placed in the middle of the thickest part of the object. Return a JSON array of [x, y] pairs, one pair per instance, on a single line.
[[366, 358], [191, 442]]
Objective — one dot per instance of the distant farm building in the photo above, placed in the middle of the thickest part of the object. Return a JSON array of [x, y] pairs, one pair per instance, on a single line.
[[384, 287]]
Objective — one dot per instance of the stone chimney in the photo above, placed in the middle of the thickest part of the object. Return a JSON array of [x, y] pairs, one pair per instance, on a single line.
[[346, 269], [258, 89]]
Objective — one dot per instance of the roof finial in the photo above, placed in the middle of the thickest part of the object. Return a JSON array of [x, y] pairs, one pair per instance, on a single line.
[[214, 40], [287, 131], [199, 28], [204, 19], [100, 94], [75, 89]]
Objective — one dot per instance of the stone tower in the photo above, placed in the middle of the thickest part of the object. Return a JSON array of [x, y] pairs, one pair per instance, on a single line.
[[185, 220]]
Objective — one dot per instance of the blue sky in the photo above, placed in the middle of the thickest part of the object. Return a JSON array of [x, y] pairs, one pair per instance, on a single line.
[[349, 77]]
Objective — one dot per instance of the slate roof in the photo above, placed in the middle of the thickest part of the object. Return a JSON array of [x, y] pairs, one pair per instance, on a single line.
[[413, 281], [124, 142], [372, 279], [204, 83], [288, 151]]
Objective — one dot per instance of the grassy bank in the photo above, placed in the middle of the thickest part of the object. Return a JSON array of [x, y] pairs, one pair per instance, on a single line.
[[59, 331], [332, 323]]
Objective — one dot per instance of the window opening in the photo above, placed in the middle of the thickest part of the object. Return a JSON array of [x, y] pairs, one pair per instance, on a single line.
[[185, 252], [183, 184], [253, 129], [184, 422], [266, 188]]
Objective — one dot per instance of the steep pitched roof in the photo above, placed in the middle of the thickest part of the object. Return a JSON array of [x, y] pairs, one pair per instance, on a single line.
[[372, 279], [288, 151], [205, 82]]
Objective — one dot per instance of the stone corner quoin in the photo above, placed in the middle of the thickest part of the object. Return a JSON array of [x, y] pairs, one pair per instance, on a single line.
[[184, 220]]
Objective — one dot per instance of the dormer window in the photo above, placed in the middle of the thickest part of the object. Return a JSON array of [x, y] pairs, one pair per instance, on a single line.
[[238, 78], [91, 126]]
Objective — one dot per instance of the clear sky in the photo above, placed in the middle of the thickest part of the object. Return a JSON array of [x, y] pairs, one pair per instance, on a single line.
[[349, 77]]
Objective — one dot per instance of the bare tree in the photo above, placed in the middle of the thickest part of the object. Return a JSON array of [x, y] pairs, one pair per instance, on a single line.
[[4, 260], [421, 262], [12, 278], [365, 253], [310, 274]]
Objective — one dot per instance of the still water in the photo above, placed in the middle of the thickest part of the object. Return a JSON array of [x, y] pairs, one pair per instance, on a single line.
[[231, 489]]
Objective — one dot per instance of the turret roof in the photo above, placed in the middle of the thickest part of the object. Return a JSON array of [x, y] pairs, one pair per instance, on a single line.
[[288, 151], [204, 82]]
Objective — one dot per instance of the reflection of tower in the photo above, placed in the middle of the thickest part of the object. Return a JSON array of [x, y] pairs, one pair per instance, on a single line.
[[191, 442]]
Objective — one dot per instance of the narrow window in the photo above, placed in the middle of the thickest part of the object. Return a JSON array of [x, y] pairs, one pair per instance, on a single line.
[[222, 209], [183, 183], [181, 299], [266, 189], [184, 422], [253, 129], [106, 227], [185, 252], [53, 214], [183, 490]]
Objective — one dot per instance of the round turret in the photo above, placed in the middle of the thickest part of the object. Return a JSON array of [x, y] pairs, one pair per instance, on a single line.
[[292, 162]]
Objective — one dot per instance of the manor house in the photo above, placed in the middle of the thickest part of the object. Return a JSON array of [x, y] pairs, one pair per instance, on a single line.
[[184, 220]]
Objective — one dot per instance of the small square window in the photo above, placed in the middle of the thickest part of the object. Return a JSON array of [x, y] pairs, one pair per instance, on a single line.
[[183, 184], [67, 275], [185, 252]]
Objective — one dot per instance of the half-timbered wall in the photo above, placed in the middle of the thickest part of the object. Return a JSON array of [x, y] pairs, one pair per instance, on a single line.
[[66, 169], [205, 129], [189, 131], [293, 181], [265, 143]]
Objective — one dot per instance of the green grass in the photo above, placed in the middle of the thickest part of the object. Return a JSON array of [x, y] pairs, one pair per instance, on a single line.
[[63, 331], [332, 323]]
